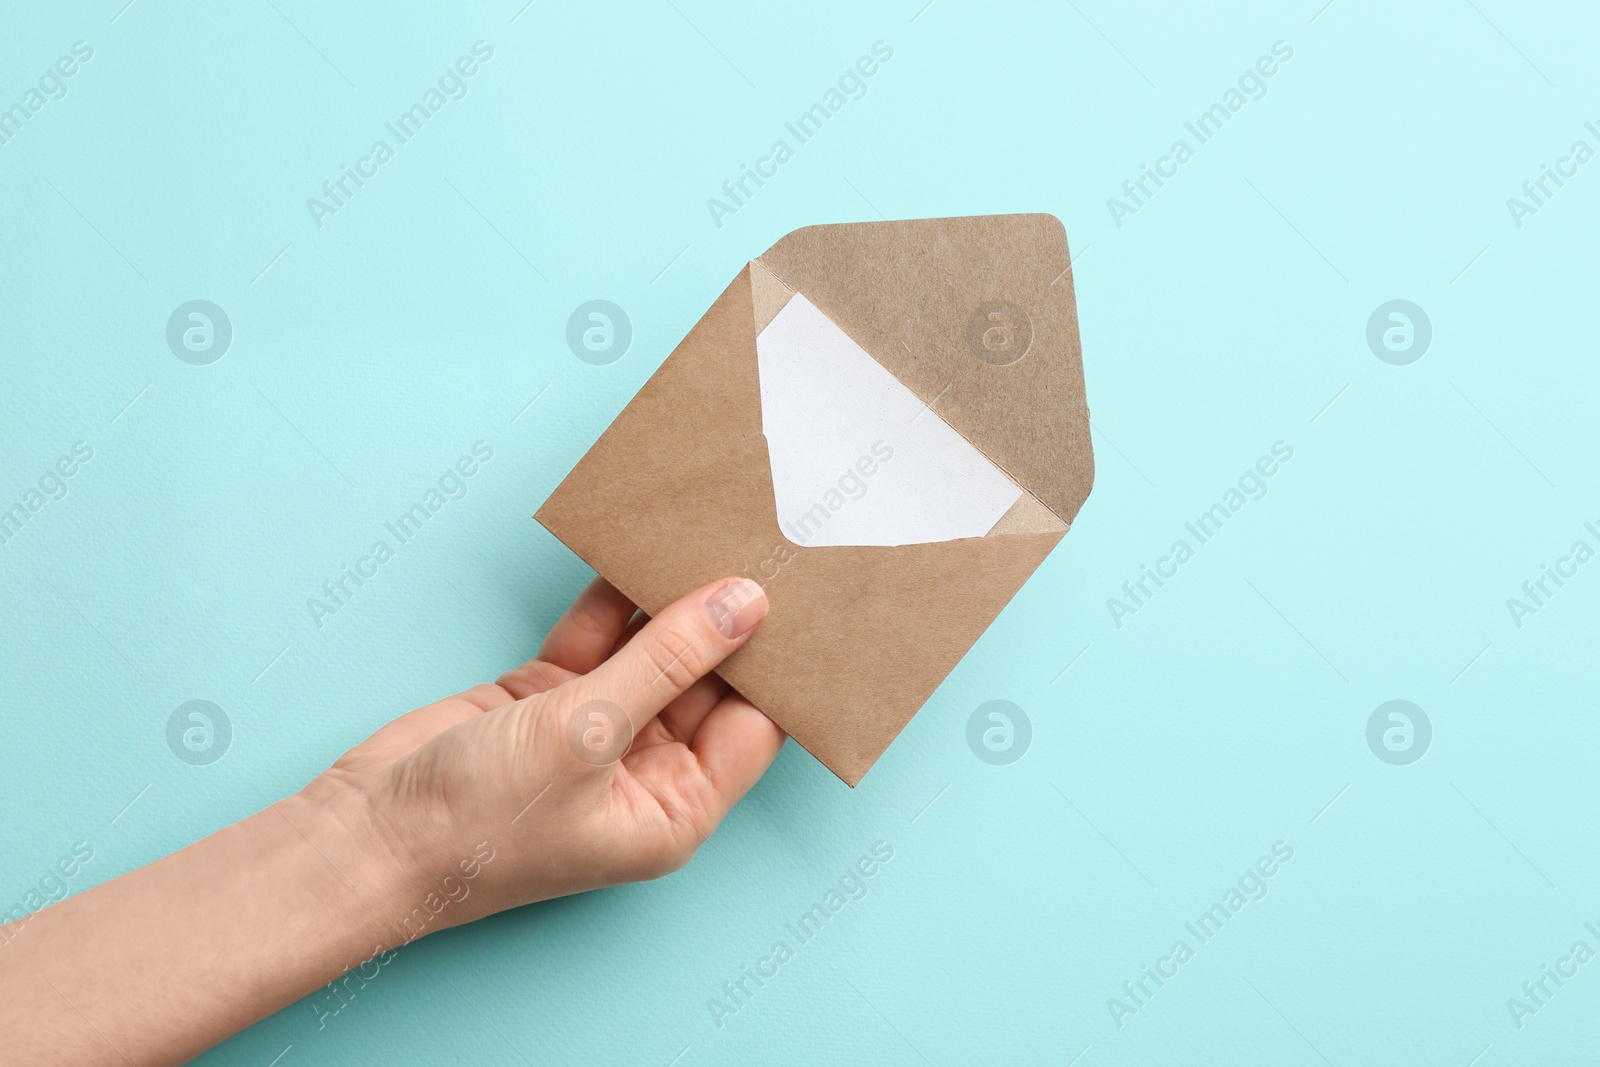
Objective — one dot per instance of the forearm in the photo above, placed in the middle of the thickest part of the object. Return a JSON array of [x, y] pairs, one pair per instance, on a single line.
[[165, 961], [396, 839]]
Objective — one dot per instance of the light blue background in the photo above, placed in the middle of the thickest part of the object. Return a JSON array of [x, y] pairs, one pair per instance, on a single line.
[[1222, 317]]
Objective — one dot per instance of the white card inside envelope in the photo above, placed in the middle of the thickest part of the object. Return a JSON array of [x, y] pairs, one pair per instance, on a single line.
[[857, 459]]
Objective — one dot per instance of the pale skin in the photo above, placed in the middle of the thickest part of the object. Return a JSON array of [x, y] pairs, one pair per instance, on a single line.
[[390, 843]]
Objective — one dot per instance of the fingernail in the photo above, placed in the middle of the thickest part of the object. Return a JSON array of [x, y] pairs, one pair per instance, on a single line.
[[736, 606]]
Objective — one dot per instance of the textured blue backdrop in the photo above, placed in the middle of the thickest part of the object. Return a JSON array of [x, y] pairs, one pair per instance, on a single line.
[[570, 157]]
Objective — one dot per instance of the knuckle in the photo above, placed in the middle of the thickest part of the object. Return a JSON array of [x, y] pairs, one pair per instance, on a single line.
[[532, 677], [532, 725], [587, 619], [487, 696], [542, 736], [677, 656]]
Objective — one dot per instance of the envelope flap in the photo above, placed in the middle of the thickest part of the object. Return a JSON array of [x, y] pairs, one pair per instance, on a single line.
[[976, 316], [678, 492]]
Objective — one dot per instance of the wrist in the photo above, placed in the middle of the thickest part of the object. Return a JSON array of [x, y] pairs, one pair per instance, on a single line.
[[371, 874], [409, 881]]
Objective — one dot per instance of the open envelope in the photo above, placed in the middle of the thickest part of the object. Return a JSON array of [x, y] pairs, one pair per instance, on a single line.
[[884, 424]]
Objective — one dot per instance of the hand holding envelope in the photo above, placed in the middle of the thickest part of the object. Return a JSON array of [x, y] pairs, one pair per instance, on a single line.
[[884, 424]]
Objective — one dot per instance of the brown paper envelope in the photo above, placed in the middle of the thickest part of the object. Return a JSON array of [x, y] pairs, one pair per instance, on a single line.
[[678, 490]]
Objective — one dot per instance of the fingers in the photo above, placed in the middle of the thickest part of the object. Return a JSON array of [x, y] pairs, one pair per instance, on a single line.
[[676, 648], [583, 637], [682, 717], [735, 745], [416, 728], [532, 678], [635, 624]]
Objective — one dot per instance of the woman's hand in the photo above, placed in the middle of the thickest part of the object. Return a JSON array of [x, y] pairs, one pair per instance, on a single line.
[[608, 759]]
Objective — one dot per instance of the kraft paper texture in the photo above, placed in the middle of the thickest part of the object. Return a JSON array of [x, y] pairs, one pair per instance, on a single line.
[[976, 316]]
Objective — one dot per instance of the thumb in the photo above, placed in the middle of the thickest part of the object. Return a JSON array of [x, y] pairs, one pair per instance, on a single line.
[[681, 644]]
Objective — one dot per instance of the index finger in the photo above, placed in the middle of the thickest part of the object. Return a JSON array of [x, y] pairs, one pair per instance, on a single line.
[[583, 637]]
